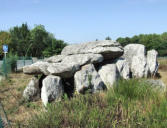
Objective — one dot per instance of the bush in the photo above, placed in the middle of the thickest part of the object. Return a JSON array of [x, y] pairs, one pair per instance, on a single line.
[[5, 69], [129, 104], [12, 60]]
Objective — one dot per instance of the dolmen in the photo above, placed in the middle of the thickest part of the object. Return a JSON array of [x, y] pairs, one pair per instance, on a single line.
[[92, 66]]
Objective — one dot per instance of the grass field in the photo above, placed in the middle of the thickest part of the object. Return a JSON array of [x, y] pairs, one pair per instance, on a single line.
[[112, 108], [163, 70], [17, 109]]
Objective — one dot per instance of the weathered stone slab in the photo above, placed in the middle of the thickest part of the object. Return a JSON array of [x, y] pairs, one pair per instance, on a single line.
[[152, 62], [109, 49], [88, 78], [123, 68], [52, 89], [32, 90], [109, 74]]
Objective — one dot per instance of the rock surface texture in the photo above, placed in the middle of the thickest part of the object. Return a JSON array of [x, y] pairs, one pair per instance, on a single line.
[[89, 67], [123, 68], [152, 62], [109, 74], [88, 79], [32, 90], [52, 89], [132, 50], [157, 84], [139, 67], [108, 48]]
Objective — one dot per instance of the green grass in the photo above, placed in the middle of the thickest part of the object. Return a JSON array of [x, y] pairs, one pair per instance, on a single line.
[[130, 104]]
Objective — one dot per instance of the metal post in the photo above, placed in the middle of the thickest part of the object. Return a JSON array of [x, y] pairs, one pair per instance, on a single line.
[[5, 55], [5, 68], [24, 60]]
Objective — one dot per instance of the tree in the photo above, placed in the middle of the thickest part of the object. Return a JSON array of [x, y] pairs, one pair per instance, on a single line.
[[124, 41], [4, 39], [107, 38], [39, 40], [55, 48], [151, 41], [44, 43], [36, 42], [20, 39]]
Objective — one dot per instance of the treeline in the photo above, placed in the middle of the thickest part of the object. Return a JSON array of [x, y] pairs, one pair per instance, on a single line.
[[36, 42], [151, 41]]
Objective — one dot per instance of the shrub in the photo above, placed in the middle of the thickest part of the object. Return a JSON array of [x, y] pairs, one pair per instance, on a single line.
[[12, 60]]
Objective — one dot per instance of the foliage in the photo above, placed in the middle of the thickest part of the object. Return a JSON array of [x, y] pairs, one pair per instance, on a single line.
[[131, 103], [151, 41], [4, 39], [12, 60], [5, 69], [36, 42], [39, 37], [108, 38], [55, 48], [20, 39]]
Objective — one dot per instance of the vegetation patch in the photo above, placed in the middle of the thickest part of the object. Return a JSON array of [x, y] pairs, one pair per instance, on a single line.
[[131, 103]]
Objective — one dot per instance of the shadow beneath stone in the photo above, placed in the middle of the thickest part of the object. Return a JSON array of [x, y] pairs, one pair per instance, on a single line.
[[69, 86], [41, 78]]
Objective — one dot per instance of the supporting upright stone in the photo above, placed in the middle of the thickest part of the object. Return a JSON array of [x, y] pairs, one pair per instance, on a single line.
[[109, 74], [88, 79], [52, 89], [134, 54], [123, 68], [32, 91], [152, 62]]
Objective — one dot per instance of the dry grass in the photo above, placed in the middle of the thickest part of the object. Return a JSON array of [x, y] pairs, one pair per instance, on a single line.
[[18, 110], [163, 69]]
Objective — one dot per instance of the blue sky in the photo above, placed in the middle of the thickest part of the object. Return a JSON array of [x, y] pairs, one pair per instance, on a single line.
[[77, 21]]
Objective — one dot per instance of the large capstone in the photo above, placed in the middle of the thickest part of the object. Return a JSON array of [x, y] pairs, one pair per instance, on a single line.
[[72, 63], [109, 74], [52, 89], [63, 66], [39, 67], [55, 59], [152, 62], [88, 79], [32, 91], [108, 48]]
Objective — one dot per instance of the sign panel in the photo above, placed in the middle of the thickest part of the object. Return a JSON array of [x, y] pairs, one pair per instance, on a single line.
[[5, 48]]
